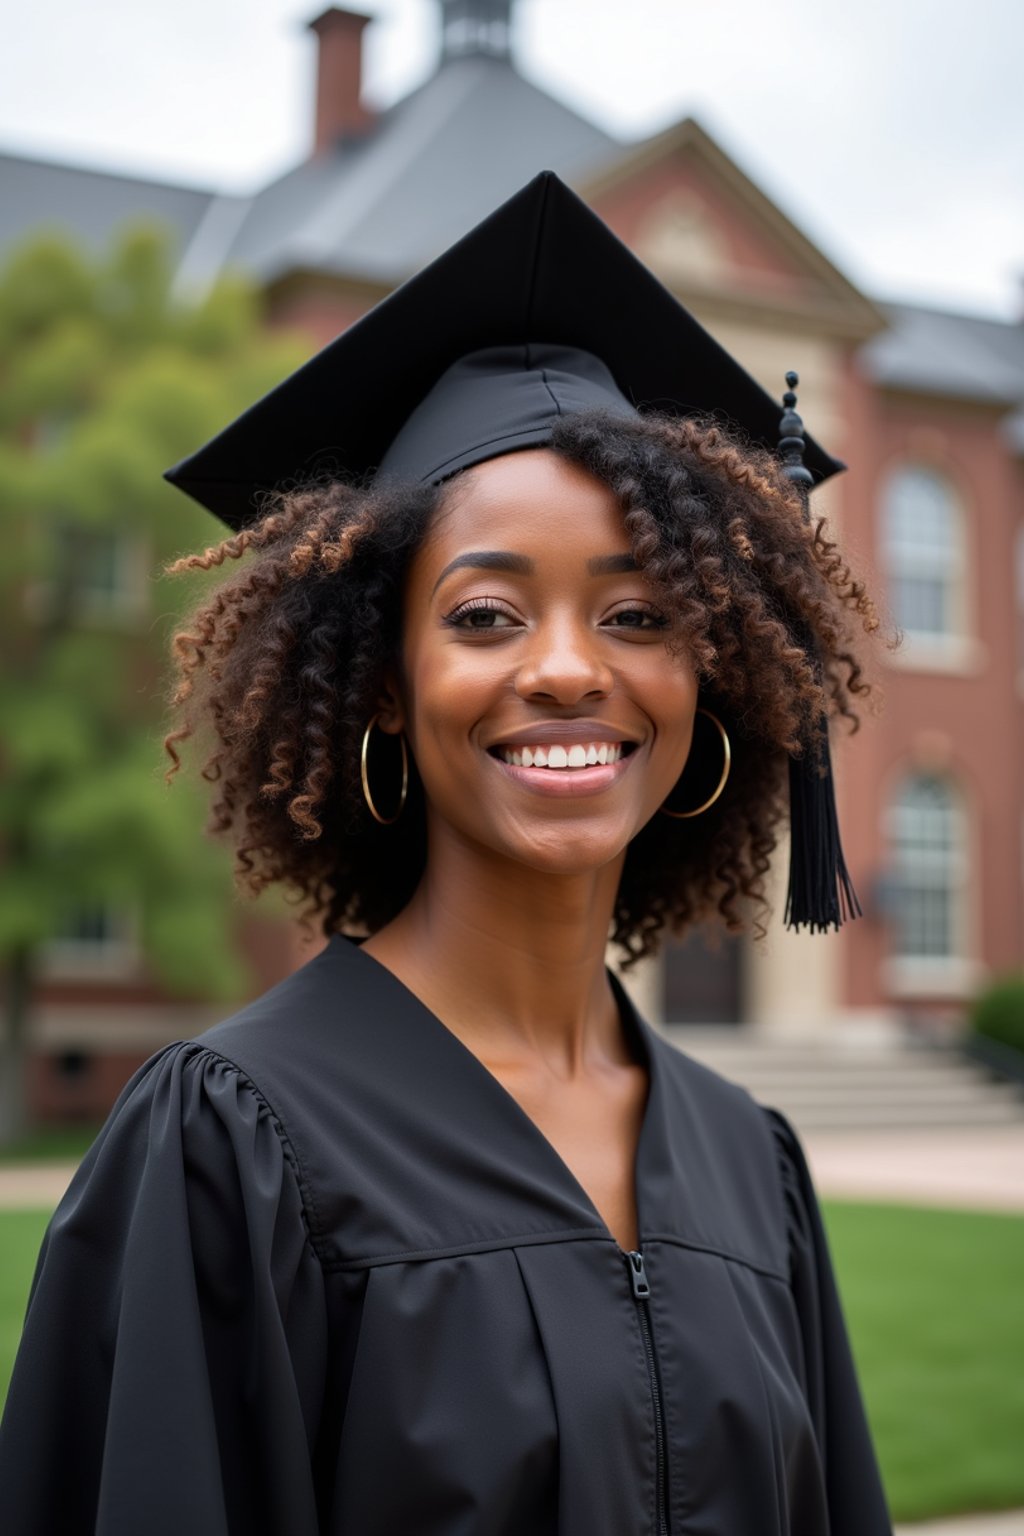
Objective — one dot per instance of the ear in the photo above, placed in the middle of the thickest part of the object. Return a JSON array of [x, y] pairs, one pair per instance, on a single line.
[[390, 704]]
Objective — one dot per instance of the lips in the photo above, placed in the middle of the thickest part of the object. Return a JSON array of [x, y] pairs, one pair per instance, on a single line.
[[574, 757], [566, 733]]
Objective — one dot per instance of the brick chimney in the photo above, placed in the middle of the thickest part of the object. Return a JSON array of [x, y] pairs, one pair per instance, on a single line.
[[340, 112]]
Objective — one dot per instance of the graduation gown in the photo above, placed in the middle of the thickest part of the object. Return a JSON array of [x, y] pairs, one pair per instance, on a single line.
[[320, 1273]]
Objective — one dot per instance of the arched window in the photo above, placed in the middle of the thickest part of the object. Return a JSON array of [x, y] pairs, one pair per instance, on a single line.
[[927, 839], [923, 552]]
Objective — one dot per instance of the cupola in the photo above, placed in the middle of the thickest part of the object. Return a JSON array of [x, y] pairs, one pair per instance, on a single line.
[[476, 27]]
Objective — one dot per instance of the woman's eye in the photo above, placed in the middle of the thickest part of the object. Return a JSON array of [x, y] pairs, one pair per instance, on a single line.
[[480, 616], [637, 618]]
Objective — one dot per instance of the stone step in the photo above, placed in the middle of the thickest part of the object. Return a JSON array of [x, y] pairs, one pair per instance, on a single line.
[[698, 1042], [856, 1117], [901, 1079], [821, 1062], [890, 1063], [849, 1085], [885, 1093]]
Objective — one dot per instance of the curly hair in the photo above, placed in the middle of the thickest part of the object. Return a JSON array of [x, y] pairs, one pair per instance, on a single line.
[[282, 667]]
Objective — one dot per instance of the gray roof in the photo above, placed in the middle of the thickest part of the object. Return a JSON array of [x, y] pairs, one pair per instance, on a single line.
[[431, 168], [40, 195], [381, 207], [934, 352], [377, 208]]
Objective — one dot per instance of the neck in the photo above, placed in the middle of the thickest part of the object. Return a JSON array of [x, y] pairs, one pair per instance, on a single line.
[[512, 959]]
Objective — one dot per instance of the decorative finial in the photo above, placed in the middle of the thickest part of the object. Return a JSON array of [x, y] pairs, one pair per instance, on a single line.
[[821, 893], [791, 442]]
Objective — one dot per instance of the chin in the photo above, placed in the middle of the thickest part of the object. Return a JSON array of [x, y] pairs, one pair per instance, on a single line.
[[569, 851]]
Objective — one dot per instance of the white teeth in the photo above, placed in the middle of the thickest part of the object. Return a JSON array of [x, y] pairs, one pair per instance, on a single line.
[[576, 756]]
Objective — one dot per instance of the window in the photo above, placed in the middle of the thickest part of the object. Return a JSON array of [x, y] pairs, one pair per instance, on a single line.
[[928, 863], [106, 576], [97, 576], [110, 574], [95, 941], [923, 554]]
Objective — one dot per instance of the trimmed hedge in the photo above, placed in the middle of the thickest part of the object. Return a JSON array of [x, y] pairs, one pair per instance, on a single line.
[[998, 1012]]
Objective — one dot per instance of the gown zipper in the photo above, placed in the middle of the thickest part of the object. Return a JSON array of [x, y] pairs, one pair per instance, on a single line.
[[641, 1295]]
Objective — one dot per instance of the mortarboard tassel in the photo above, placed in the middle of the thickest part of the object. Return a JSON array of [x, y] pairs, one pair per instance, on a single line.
[[821, 893]]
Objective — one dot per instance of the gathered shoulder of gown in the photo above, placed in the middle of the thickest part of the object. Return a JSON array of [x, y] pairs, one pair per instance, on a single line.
[[321, 1275]]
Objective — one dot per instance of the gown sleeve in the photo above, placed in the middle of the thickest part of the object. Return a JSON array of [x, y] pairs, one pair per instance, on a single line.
[[856, 1501], [170, 1373]]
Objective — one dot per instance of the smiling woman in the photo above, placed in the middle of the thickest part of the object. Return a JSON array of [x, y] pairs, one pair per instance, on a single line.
[[439, 1236], [650, 549]]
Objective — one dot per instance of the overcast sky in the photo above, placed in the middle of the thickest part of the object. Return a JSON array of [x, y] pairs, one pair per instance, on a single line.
[[892, 131]]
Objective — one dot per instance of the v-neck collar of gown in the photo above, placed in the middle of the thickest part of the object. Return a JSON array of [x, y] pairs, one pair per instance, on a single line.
[[651, 1148]]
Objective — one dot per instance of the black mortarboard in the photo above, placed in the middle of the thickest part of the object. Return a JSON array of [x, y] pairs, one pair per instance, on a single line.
[[538, 311], [542, 269]]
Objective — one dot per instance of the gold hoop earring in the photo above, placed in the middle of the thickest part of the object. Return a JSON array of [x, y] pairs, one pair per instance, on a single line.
[[385, 821], [726, 766]]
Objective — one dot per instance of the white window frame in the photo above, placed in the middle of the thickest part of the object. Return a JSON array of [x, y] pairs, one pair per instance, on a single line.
[[955, 648], [128, 599], [954, 973], [115, 956], [125, 605]]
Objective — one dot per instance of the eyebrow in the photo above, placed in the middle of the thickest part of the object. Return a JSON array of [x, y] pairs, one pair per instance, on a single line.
[[522, 565], [488, 560], [611, 565]]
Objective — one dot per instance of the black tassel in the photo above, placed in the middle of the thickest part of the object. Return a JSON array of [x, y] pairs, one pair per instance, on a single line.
[[821, 894]]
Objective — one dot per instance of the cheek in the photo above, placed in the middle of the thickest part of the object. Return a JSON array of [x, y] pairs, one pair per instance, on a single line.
[[673, 708], [670, 696], [448, 689]]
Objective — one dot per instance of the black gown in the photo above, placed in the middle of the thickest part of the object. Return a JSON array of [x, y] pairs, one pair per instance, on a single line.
[[320, 1273]]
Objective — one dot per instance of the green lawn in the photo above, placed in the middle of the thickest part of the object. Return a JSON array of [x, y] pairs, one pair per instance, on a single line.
[[51, 1144], [934, 1304], [21, 1232]]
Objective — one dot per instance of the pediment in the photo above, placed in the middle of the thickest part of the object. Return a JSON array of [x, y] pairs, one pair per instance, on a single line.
[[716, 240]]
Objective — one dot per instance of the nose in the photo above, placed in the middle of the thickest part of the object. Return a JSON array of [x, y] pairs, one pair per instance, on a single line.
[[563, 663]]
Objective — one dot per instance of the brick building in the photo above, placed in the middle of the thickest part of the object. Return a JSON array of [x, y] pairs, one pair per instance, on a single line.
[[926, 406]]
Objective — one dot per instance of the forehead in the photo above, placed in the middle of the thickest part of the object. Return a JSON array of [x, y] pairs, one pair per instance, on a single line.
[[530, 502]]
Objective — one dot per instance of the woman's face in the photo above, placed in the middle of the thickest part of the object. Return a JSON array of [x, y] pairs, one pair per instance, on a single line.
[[546, 714]]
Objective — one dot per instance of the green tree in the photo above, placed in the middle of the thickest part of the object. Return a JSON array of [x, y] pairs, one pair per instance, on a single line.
[[105, 379]]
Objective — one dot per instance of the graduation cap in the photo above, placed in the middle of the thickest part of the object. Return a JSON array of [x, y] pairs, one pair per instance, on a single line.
[[542, 271], [537, 312]]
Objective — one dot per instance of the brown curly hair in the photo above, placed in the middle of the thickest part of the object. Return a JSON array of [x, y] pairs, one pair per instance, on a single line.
[[282, 667]]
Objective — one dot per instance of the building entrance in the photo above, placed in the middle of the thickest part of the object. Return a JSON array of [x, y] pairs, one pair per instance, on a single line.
[[703, 979]]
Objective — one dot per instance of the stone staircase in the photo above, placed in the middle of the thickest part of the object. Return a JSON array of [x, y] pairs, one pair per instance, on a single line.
[[851, 1085]]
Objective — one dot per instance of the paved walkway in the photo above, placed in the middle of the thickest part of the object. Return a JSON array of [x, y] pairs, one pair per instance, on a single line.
[[1009, 1524], [968, 1168], [26, 1185]]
